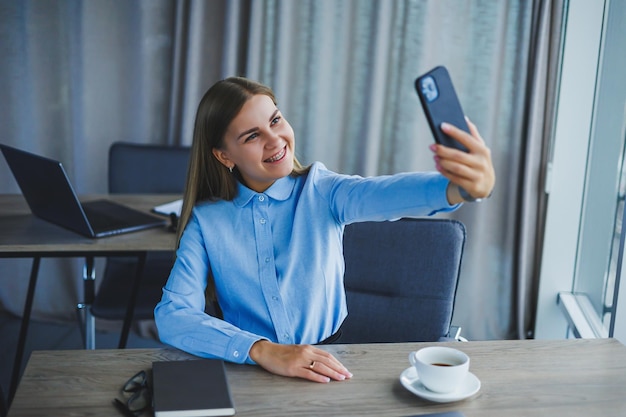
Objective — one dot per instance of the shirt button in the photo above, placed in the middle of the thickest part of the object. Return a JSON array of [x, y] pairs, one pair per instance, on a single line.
[[236, 354], [275, 298], [262, 221], [261, 198], [267, 259]]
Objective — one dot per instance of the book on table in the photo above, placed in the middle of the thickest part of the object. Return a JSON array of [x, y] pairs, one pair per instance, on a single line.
[[173, 207], [191, 388]]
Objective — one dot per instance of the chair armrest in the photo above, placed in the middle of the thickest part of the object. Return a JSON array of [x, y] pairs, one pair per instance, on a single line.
[[455, 334]]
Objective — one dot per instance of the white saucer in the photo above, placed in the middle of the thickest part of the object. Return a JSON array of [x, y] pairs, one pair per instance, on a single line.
[[411, 381]]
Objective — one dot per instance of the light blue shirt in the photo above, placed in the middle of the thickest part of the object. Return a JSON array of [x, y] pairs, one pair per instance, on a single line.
[[277, 259]]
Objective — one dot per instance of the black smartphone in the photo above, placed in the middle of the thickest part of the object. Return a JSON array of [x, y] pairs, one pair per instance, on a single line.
[[441, 104]]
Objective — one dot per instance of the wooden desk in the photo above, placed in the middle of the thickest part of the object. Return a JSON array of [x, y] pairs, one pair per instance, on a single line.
[[23, 235], [528, 378]]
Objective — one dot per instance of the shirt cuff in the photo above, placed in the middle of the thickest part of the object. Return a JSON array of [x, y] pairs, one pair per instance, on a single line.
[[238, 349], [442, 202]]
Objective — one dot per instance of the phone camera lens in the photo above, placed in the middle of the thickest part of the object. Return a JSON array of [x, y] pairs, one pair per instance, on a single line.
[[429, 89]]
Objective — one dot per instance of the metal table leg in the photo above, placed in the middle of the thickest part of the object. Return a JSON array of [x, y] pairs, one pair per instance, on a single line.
[[19, 351], [89, 293], [130, 308]]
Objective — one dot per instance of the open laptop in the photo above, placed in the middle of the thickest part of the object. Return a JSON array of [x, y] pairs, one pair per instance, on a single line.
[[50, 196]]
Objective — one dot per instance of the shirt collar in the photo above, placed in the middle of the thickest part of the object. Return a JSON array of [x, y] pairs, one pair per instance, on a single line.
[[280, 190]]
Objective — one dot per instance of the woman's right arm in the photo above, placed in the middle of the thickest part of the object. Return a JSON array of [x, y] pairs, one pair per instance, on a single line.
[[183, 323], [180, 317]]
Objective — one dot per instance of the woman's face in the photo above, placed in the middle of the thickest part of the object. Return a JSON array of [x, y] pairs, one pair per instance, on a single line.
[[260, 143]]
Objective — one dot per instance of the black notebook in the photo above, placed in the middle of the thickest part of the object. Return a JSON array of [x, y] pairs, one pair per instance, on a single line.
[[191, 388]]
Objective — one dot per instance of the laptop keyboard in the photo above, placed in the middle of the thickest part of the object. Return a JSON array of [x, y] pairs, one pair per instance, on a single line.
[[106, 215], [101, 221]]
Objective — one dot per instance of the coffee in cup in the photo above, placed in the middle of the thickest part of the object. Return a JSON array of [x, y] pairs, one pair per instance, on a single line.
[[440, 369]]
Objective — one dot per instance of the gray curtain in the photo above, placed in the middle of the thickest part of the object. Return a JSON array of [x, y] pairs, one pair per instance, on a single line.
[[77, 76], [537, 127]]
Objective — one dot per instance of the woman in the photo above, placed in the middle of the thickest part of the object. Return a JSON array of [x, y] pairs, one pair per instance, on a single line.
[[262, 234]]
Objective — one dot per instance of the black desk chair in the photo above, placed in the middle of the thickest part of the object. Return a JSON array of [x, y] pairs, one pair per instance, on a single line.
[[139, 169], [401, 279]]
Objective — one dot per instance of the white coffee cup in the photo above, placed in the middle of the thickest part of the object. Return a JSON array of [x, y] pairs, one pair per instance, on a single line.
[[440, 369]]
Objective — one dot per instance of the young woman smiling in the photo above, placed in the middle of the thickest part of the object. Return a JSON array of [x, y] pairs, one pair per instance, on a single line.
[[261, 235]]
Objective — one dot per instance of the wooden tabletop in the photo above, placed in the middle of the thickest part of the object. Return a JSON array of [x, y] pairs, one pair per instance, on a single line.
[[527, 378], [24, 235]]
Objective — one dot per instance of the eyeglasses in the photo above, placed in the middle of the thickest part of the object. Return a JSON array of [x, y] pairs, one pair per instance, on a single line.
[[140, 398]]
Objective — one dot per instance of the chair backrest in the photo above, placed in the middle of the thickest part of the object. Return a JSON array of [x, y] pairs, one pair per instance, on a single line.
[[147, 169], [401, 279], [139, 169]]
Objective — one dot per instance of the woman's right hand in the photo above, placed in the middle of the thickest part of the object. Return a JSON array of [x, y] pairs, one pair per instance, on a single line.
[[302, 361], [472, 170]]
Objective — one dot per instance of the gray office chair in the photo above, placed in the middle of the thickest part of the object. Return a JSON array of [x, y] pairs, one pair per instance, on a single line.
[[401, 279], [139, 169]]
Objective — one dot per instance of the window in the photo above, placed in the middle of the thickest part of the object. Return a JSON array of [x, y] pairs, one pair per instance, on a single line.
[[585, 205]]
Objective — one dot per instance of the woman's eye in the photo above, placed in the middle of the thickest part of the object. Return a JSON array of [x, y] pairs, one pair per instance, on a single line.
[[275, 120], [252, 136]]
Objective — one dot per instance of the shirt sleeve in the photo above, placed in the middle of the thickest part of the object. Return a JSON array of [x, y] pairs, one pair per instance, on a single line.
[[388, 197], [180, 317]]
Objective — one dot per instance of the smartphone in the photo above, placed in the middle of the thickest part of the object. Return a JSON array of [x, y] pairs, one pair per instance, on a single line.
[[441, 104]]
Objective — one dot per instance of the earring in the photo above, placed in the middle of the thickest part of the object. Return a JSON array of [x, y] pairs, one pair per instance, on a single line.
[[230, 169]]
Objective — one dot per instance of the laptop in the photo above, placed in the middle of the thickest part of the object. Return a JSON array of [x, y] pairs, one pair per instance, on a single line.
[[50, 196]]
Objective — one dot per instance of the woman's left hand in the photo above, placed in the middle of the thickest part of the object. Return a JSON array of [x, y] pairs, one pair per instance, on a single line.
[[471, 170]]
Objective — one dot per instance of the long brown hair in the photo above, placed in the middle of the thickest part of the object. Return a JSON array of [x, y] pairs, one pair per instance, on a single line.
[[207, 178]]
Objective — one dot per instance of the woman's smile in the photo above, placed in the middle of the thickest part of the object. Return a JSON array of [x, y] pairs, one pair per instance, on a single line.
[[277, 157]]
